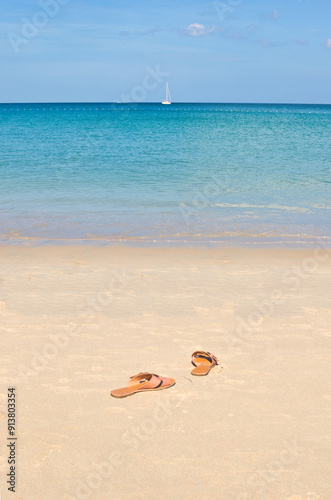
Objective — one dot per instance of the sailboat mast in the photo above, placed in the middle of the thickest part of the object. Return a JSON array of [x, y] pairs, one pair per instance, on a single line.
[[168, 97], [168, 93]]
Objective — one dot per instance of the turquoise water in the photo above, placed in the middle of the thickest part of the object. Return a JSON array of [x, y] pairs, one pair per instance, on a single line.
[[180, 173]]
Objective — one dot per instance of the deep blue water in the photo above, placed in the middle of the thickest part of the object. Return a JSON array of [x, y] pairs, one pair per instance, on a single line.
[[182, 172]]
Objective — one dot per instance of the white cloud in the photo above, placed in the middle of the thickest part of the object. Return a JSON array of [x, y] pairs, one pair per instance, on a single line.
[[198, 30], [302, 41], [265, 42], [327, 43], [274, 15]]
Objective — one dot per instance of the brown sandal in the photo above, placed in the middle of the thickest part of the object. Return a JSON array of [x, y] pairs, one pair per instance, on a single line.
[[144, 382], [203, 361]]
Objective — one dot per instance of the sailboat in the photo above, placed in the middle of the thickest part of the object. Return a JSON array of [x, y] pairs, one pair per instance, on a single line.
[[168, 97]]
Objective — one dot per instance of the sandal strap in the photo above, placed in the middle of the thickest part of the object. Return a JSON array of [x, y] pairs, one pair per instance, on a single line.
[[146, 380], [204, 354]]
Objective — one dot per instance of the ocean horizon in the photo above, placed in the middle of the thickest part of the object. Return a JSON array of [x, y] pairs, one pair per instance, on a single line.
[[173, 103], [189, 173]]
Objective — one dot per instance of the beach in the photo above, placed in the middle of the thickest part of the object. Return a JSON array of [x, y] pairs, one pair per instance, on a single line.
[[78, 321], [165, 250], [132, 235]]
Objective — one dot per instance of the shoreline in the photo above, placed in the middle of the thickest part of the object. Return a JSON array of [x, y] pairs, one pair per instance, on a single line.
[[240, 241]]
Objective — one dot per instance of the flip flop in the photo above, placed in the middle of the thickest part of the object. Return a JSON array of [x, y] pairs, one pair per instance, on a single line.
[[203, 361], [144, 382]]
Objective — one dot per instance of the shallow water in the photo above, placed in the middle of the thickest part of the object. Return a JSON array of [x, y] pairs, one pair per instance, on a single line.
[[185, 172]]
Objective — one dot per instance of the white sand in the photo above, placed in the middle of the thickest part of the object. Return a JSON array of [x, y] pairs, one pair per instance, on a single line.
[[76, 322]]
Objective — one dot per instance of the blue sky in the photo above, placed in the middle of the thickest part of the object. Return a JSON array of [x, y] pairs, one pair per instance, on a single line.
[[211, 51]]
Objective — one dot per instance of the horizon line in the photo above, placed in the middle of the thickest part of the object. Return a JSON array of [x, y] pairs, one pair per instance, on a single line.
[[173, 102]]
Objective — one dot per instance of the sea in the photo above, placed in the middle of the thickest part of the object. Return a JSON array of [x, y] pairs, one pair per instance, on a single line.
[[149, 174]]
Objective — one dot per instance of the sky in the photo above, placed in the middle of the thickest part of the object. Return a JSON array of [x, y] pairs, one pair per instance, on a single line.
[[126, 50]]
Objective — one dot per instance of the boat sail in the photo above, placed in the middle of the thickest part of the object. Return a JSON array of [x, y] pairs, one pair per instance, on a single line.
[[168, 97]]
